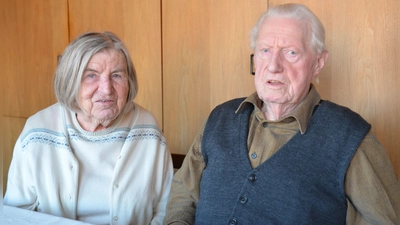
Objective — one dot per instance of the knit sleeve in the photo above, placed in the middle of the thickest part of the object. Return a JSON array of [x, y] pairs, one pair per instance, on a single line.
[[21, 191], [166, 179]]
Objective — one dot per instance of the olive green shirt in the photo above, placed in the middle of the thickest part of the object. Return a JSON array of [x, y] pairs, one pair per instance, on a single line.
[[372, 191]]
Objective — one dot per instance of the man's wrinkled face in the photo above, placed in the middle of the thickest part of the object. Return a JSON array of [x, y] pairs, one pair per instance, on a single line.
[[284, 62]]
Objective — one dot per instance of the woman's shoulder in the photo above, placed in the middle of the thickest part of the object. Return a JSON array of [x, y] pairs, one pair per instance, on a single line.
[[45, 118], [143, 116], [47, 113], [45, 126]]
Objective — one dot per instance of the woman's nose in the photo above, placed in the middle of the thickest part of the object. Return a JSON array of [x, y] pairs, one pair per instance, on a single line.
[[105, 85]]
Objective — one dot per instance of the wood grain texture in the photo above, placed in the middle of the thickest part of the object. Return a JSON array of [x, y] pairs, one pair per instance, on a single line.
[[35, 36], [186, 70], [205, 61], [230, 48], [138, 24]]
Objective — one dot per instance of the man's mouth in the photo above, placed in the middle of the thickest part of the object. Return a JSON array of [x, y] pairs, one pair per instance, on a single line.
[[274, 82]]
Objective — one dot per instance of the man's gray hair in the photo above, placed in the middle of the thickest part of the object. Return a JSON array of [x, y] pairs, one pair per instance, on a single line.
[[73, 62], [297, 12]]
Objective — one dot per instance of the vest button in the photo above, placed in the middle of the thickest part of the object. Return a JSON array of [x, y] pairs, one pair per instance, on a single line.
[[243, 199], [254, 155], [233, 222], [265, 124], [252, 177]]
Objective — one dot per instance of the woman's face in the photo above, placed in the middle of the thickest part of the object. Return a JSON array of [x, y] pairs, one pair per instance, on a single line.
[[104, 90]]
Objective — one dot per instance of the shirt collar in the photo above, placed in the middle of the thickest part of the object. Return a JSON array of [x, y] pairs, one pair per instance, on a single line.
[[302, 113]]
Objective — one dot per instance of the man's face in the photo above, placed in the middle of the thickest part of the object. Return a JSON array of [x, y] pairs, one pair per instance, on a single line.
[[284, 62]]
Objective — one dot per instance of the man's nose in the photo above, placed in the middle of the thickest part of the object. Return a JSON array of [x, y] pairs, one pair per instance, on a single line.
[[275, 63]]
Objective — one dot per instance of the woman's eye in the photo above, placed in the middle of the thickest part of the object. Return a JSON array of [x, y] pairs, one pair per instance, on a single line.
[[292, 53], [90, 75]]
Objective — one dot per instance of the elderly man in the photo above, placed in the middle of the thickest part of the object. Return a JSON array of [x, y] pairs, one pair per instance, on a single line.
[[283, 155]]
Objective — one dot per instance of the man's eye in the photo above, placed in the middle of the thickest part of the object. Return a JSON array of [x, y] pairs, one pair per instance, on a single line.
[[292, 53], [91, 75], [116, 75], [265, 50]]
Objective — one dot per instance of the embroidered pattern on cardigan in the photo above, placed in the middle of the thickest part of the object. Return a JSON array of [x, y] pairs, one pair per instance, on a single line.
[[59, 140]]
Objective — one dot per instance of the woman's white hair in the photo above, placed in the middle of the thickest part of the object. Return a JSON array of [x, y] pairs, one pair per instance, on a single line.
[[73, 62], [297, 12]]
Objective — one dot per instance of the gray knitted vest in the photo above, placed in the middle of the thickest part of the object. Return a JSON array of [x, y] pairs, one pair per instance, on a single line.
[[303, 183]]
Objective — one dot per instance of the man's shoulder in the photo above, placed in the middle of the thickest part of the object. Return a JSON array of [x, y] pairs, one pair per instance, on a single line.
[[230, 104], [340, 110], [338, 116]]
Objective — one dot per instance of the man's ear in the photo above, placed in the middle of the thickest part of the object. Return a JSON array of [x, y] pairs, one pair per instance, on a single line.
[[321, 62]]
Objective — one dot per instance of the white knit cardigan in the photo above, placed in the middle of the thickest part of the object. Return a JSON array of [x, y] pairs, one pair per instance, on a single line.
[[44, 171]]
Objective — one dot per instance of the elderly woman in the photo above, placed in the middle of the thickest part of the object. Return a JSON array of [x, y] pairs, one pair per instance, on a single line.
[[95, 156]]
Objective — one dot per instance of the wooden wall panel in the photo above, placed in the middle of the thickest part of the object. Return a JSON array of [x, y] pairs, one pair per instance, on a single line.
[[34, 33], [138, 24], [231, 22], [186, 69], [35, 36], [205, 61], [363, 70]]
